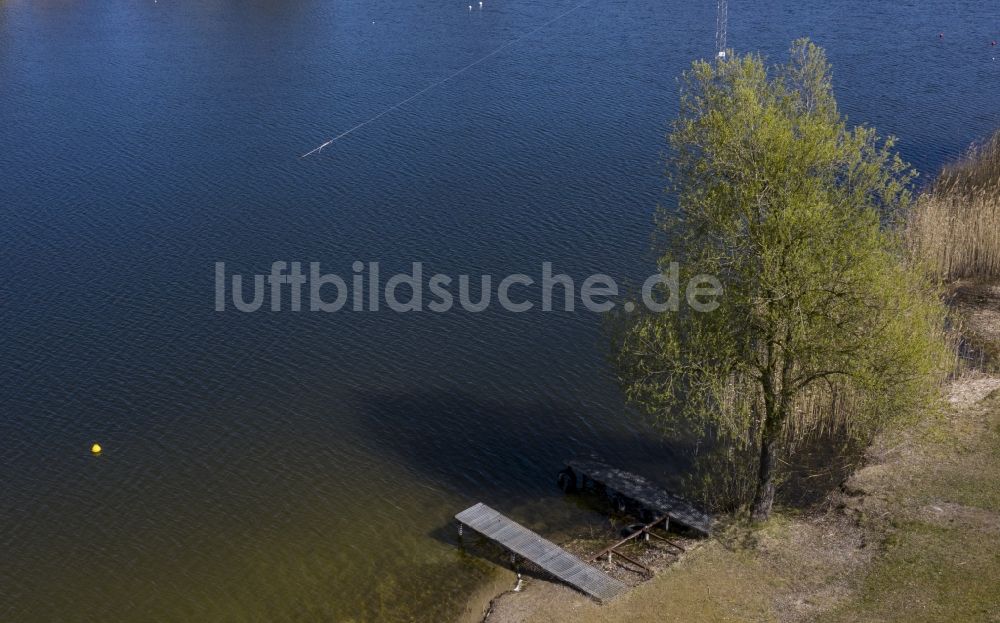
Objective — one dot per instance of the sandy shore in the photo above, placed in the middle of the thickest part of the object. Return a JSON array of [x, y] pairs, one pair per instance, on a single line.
[[533, 593]]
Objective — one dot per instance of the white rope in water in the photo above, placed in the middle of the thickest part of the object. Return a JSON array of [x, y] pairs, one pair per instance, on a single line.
[[444, 80]]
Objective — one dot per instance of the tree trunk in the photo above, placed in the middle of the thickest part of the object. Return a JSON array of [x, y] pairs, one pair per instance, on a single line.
[[763, 499], [777, 402]]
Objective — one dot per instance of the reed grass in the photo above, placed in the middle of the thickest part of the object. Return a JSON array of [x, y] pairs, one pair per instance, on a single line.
[[954, 227]]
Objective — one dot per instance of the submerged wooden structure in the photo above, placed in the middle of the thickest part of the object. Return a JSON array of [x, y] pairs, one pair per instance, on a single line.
[[634, 532], [635, 491], [541, 552]]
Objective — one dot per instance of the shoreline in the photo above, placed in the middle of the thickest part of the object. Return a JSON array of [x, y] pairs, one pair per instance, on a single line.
[[923, 499], [530, 592]]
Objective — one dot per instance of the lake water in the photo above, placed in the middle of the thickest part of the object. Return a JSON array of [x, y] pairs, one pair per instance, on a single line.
[[303, 466]]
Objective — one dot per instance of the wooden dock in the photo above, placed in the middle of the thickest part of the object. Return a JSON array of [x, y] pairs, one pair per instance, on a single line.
[[641, 492], [543, 553]]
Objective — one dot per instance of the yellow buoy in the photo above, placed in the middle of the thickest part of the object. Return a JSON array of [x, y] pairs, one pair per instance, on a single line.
[[95, 449]]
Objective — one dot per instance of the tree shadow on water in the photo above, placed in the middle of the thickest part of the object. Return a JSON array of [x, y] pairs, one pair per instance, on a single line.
[[507, 455], [483, 449]]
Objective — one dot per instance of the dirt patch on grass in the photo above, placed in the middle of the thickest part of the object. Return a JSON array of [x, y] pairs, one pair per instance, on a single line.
[[949, 514], [972, 388], [813, 561]]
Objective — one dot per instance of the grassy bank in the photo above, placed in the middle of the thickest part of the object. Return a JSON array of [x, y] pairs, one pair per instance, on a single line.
[[937, 505]]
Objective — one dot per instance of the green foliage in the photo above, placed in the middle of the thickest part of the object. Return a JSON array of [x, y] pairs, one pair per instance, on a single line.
[[794, 212]]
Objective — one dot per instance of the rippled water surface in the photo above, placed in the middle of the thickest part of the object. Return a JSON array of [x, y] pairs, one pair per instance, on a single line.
[[283, 466]]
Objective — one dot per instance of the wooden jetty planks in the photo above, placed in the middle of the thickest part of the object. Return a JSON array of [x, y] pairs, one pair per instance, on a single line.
[[644, 493], [544, 553]]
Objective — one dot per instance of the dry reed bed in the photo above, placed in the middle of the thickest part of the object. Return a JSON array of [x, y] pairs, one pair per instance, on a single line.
[[955, 226]]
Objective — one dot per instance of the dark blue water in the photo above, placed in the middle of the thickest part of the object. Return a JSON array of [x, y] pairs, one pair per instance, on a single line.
[[302, 466]]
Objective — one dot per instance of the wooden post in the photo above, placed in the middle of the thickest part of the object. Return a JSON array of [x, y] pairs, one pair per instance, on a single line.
[[636, 563]]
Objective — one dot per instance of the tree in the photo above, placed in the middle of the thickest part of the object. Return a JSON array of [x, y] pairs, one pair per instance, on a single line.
[[793, 212]]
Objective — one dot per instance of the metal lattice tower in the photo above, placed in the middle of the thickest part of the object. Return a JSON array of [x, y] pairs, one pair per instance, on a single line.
[[721, 24]]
